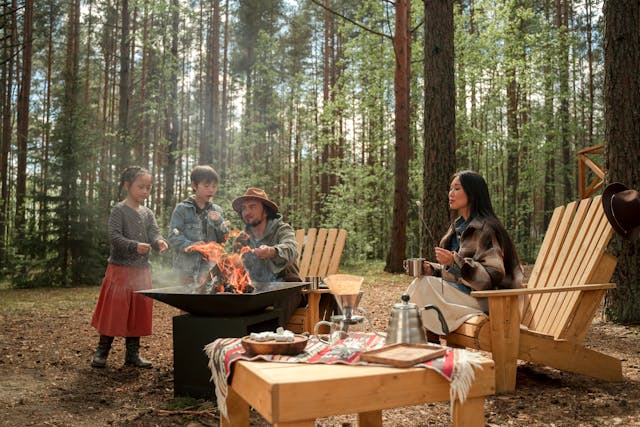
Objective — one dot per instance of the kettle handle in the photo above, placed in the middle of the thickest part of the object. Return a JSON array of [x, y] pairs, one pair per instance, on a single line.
[[443, 322]]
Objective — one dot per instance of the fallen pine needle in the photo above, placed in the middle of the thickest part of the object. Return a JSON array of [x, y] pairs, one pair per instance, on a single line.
[[166, 412]]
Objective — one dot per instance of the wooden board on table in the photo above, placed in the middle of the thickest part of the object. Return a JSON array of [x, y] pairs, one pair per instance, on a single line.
[[403, 355]]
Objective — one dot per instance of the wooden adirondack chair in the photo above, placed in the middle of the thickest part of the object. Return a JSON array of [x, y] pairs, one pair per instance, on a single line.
[[320, 251], [567, 284]]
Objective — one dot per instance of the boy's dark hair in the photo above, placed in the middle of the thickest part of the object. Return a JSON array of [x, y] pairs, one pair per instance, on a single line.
[[204, 173]]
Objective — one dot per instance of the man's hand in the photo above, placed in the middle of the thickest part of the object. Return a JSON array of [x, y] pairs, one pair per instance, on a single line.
[[214, 216], [265, 252]]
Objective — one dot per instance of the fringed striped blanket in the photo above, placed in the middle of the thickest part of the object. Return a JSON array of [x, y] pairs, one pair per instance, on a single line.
[[457, 365]]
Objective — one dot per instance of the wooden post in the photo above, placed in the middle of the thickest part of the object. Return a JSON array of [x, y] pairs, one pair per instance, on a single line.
[[470, 413], [370, 419], [504, 322], [237, 411]]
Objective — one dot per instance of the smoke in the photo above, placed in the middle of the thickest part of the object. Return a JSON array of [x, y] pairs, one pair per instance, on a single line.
[[258, 270]]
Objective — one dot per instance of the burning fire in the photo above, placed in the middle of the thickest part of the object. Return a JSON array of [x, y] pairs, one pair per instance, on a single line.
[[228, 273]]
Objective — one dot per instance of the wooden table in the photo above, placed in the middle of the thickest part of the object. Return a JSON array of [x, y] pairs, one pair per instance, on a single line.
[[288, 394]]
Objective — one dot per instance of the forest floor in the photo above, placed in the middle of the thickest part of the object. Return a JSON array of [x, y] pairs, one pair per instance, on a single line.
[[46, 344]]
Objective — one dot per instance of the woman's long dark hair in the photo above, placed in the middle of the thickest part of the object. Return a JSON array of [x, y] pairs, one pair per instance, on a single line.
[[477, 191]]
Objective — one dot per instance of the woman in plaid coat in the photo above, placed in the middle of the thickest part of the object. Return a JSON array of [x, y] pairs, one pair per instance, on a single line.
[[476, 253]]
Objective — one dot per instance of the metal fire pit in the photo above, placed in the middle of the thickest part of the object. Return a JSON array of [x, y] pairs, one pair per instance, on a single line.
[[224, 304]]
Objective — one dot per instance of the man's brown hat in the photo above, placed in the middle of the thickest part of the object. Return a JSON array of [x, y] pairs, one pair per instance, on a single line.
[[254, 193], [622, 207]]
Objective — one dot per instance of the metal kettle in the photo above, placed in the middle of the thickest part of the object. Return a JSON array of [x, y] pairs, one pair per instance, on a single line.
[[405, 323]]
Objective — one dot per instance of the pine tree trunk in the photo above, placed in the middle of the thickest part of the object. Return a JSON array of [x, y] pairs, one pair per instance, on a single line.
[[9, 44], [172, 124], [224, 107], [215, 85], [327, 87], [402, 84], [439, 120], [562, 23], [22, 124], [622, 137], [590, 77], [123, 109]]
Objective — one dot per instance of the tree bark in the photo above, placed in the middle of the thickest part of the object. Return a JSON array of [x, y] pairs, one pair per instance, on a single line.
[[9, 21], [22, 126], [224, 108], [123, 110], [402, 84], [622, 137], [562, 24], [172, 123], [439, 120]]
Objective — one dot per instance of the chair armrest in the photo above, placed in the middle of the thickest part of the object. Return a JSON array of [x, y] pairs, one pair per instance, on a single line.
[[529, 291]]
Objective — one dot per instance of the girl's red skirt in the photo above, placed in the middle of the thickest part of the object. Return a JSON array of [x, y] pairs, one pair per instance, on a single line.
[[121, 312]]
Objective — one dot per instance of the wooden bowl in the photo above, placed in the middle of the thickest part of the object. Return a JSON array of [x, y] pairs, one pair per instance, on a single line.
[[289, 348]]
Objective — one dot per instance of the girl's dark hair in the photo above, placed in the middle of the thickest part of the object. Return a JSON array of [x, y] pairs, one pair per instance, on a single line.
[[129, 174], [477, 191]]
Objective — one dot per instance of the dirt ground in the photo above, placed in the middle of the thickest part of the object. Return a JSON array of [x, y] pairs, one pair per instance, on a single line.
[[46, 344]]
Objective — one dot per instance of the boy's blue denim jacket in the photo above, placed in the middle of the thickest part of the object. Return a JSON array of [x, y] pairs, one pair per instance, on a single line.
[[185, 229]]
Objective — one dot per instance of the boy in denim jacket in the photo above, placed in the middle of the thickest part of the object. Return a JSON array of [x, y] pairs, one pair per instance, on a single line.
[[196, 220]]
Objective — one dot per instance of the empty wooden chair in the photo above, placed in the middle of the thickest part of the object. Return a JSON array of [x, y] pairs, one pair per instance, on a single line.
[[320, 251]]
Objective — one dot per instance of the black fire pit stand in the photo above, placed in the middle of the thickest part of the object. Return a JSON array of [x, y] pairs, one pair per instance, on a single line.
[[191, 374]]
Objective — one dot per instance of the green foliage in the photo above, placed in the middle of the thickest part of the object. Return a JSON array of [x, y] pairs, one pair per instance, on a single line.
[[279, 124]]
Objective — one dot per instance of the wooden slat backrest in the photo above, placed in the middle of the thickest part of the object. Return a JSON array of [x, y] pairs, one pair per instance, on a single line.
[[300, 242], [546, 260], [555, 270], [336, 256], [306, 251], [572, 251], [320, 251], [577, 262], [592, 259]]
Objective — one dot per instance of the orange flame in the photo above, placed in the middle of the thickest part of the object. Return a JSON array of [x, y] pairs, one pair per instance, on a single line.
[[230, 269]]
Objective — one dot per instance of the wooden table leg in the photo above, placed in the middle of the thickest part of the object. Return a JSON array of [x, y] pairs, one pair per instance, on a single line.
[[237, 411], [313, 311], [505, 340], [370, 419], [470, 413]]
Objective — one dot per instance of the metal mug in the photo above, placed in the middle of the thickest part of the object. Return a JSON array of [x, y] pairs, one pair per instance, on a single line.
[[414, 266]]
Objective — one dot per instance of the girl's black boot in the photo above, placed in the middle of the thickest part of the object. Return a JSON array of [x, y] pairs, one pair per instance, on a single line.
[[100, 356], [132, 357]]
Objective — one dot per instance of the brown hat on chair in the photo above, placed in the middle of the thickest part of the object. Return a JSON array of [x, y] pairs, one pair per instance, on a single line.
[[254, 193], [622, 207]]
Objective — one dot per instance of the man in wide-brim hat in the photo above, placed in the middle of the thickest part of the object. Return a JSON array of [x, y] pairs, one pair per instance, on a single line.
[[275, 250], [622, 207]]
